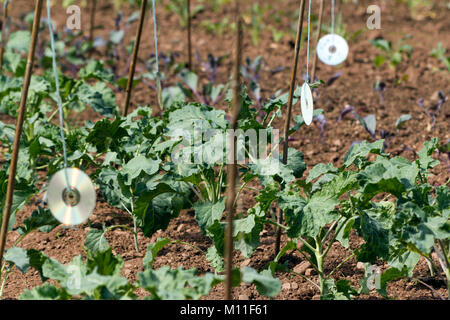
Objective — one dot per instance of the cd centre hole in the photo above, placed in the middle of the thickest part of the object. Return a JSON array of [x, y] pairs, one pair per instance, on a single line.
[[71, 197], [332, 49]]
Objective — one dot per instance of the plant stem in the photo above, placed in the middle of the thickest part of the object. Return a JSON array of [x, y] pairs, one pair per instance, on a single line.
[[136, 245], [305, 277], [134, 223], [430, 287], [340, 264], [135, 234], [319, 258], [4, 282], [187, 244], [19, 127]]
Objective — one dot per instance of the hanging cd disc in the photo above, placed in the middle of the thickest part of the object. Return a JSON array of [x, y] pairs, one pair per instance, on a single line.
[[307, 104], [71, 202], [332, 49]]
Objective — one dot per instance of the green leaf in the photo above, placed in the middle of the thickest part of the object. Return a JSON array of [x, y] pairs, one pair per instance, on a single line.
[[41, 220], [296, 162], [269, 167], [319, 170], [394, 176], [382, 44], [99, 96], [379, 61], [215, 259], [246, 234], [44, 292], [207, 213], [342, 290], [426, 160], [96, 70], [96, 241], [116, 37], [152, 251], [179, 284], [362, 150], [374, 225], [133, 169], [18, 257], [104, 262], [19, 41], [265, 283], [155, 208], [400, 121]]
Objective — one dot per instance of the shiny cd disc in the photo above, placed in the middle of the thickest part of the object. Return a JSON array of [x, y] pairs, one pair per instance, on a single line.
[[306, 102], [71, 196], [332, 49]]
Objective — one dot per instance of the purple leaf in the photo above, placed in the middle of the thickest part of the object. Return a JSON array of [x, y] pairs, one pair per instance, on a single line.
[[346, 111], [334, 78]]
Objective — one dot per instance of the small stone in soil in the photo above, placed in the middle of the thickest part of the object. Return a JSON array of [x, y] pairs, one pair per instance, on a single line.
[[301, 268], [286, 286], [246, 263], [294, 285], [309, 272], [360, 266], [243, 297]]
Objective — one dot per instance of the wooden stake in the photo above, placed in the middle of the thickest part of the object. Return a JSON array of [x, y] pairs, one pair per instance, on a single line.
[[319, 31], [232, 167], [3, 42], [92, 22], [189, 35], [289, 111], [134, 57], [19, 126]]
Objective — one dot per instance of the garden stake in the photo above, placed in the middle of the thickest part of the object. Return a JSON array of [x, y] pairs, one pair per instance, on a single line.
[[92, 23], [232, 167], [319, 31], [289, 111], [3, 27], [189, 35], [134, 57], [19, 126]]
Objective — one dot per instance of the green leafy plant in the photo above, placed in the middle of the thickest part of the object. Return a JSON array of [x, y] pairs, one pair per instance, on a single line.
[[393, 54], [440, 53]]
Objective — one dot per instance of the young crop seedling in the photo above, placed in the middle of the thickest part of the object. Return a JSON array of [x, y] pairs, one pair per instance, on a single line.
[[440, 53], [393, 54], [179, 7]]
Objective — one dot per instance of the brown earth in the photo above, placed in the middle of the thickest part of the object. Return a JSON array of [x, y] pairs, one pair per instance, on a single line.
[[426, 76]]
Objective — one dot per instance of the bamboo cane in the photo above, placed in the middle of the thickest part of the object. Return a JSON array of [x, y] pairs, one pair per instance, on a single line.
[[92, 20], [19, 126], [134, 57], [232, 167], [3, 27], [189, 35], [289, 111]]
